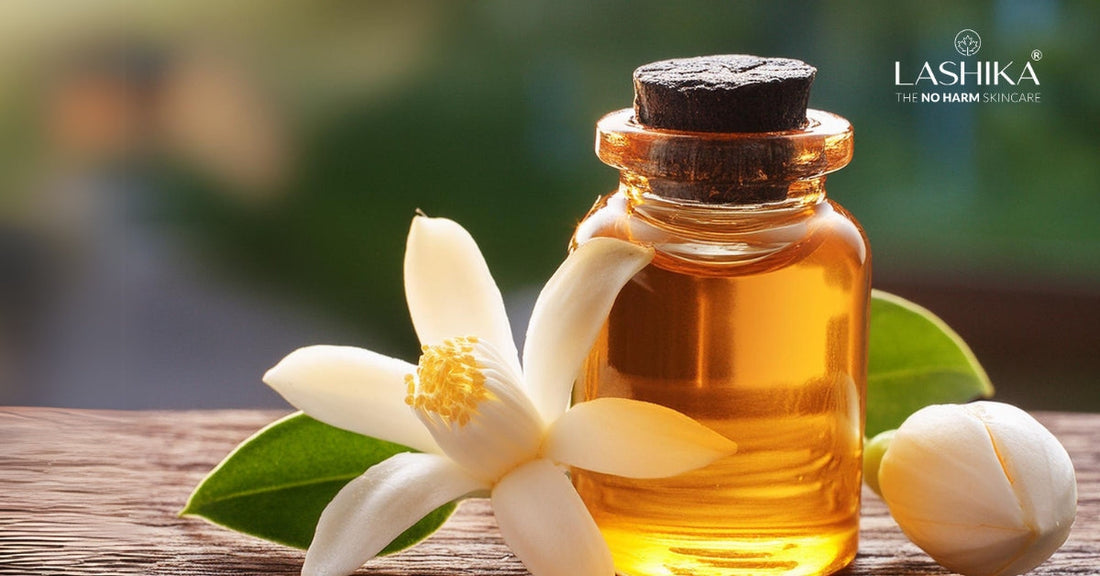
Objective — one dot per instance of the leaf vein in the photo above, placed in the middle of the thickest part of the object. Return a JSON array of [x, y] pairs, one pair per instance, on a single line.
[[273, 488]]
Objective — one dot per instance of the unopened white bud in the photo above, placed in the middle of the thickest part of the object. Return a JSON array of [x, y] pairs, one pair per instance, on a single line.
[[983, 488]]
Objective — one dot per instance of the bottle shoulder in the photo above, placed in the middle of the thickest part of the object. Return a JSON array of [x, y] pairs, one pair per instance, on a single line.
[[713, 242], [847, 233]]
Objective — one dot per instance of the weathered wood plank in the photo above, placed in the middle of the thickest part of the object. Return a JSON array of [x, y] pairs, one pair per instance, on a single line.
[[97, 492]]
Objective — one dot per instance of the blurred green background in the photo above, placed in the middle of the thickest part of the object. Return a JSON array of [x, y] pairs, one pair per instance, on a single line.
[[190, 190]]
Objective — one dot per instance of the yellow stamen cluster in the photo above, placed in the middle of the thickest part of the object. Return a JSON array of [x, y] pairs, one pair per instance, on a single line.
[[448, 381]]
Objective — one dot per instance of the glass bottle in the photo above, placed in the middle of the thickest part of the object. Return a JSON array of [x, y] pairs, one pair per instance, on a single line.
[[752, 318]]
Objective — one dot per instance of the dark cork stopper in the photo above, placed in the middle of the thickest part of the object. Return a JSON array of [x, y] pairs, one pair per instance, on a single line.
[[728, 93]]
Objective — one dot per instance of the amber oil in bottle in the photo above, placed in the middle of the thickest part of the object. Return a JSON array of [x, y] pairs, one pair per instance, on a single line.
[[751, 319]]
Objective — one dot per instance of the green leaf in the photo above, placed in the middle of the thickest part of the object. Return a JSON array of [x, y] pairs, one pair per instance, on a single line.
[[275, 484], [915, 360]]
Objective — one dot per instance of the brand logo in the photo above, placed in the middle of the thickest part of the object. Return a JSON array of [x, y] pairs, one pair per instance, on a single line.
[[968, 42], [1001, 78]]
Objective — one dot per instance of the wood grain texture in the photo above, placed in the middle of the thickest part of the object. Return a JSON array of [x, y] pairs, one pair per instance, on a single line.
[[97, 492]]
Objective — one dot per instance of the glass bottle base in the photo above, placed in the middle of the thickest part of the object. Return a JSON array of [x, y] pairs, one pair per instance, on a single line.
[[658, 554]]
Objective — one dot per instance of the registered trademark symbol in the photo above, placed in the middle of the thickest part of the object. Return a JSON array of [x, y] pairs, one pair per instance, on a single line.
[[1036, 54]]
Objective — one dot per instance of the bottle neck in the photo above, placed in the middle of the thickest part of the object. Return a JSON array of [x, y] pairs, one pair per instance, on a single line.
[[706, 195], [710, 201], [729, 231], [705, 238]]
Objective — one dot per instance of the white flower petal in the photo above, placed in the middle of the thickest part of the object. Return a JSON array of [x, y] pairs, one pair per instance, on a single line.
[[967, 483], [569, 314], [449, 288], [353, 389], [546, 525], [1041, 475], [370, 511], [633, 439]]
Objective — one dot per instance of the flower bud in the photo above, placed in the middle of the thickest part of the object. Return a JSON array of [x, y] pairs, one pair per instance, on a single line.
[[983, 488]]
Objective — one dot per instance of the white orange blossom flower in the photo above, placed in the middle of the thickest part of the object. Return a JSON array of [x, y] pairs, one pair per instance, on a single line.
[[483, 423]]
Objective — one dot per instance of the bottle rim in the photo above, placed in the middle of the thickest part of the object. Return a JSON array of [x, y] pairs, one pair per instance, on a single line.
[[823, 145]]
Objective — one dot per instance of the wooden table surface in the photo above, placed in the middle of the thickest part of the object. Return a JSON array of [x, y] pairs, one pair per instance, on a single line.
[[97, 492]]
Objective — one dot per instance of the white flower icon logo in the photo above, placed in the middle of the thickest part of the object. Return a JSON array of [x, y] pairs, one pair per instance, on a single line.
[[968, 42]]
